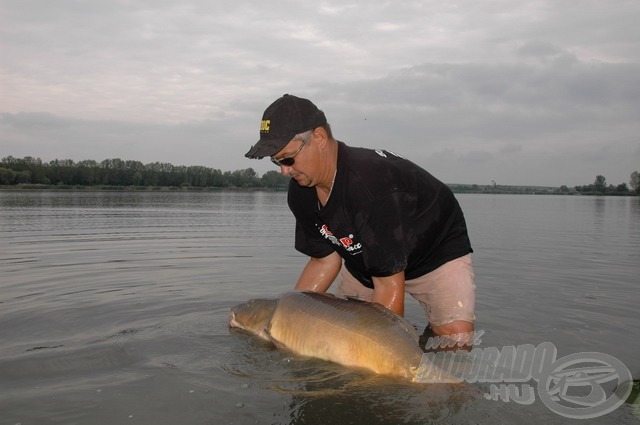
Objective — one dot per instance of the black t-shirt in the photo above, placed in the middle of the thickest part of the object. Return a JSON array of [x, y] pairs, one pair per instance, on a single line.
[[385, 214]]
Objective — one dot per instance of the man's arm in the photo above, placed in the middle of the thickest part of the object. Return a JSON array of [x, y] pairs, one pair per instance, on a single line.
[[319, 273], [389, 291]]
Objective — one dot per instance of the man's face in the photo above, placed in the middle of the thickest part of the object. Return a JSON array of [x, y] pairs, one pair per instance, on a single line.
[[302, 168]]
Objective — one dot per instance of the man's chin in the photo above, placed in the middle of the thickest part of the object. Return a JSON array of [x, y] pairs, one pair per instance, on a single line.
[[301, 180]]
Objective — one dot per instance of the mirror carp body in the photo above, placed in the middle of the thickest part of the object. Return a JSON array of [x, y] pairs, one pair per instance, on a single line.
[[346, 331]]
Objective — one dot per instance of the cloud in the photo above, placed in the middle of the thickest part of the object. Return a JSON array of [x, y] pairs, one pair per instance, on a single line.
[[498, 102], [539, 48], [468, 90], [511, 148], [553, 112], [197, 143]]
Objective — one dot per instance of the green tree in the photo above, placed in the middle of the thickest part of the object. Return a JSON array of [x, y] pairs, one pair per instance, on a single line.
[[137, 178], [600, 184], [62, 171], [87, 172], [215, 178], [622, 188], [7, 176], [274, 179], [243, 178], [23, 177], [635, 182]]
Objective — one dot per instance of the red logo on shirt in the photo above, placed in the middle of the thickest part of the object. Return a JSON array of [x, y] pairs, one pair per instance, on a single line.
[[346, 242]]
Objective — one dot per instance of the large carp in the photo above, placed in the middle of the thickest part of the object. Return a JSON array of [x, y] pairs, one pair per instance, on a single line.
[[346, 331]]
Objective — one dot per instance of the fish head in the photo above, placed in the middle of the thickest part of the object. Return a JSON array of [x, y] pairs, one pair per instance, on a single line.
[[253, 316]]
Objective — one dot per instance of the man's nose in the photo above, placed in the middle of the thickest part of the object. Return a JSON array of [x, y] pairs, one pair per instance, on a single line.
[[284, 170]]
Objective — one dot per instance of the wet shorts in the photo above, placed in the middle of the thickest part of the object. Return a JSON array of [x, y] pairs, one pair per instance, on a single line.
[[447, 294]]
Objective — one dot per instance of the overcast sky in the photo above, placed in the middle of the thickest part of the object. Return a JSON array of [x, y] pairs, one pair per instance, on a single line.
[[519, 92]]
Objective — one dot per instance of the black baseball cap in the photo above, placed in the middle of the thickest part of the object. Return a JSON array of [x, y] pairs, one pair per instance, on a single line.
[[281, 121]]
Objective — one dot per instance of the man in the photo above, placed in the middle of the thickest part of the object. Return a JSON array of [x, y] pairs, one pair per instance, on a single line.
[[397, 228]]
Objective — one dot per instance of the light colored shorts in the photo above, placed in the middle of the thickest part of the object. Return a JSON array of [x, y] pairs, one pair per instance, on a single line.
[[447, 294]]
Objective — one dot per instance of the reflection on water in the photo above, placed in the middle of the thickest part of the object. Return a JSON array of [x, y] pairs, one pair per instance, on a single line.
[[113, 308]]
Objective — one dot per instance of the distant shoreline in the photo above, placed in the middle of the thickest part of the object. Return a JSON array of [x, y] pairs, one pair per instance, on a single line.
[[31, 173], [103, 188], [456, 188]]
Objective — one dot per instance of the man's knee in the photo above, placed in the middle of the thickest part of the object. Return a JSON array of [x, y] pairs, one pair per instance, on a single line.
[[456, 335], [453, 328]]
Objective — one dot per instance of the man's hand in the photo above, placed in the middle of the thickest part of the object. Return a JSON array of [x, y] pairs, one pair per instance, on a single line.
[[389, 291], [319, 273]]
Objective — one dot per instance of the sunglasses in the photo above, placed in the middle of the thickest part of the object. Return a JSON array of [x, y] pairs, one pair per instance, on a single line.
[[288, 161]]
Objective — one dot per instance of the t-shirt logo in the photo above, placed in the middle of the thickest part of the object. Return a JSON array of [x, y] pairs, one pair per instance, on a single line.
[[347, 242], [383, 153]]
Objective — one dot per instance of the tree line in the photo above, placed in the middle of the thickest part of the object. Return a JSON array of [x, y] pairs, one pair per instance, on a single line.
[[600, 186], [118, 172]]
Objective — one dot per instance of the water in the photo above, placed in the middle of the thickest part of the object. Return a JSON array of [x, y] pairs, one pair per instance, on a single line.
[[113, 309]]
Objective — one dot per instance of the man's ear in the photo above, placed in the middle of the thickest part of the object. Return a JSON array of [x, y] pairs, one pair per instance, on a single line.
[[321, 136]]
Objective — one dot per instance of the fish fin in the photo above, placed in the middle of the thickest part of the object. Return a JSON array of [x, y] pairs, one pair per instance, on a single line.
[[401, 321], [354, 298], [278, 344]]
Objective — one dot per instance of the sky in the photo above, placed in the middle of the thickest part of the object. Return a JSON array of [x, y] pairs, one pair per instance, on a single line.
[[514, 92]]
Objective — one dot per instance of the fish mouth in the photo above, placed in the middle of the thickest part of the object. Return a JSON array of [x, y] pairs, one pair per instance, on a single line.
[[232, 320]]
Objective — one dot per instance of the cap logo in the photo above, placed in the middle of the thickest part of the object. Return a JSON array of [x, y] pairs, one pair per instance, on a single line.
[[264, 126]]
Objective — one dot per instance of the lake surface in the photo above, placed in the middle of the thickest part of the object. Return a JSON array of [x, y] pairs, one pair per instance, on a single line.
[[113, 309]]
